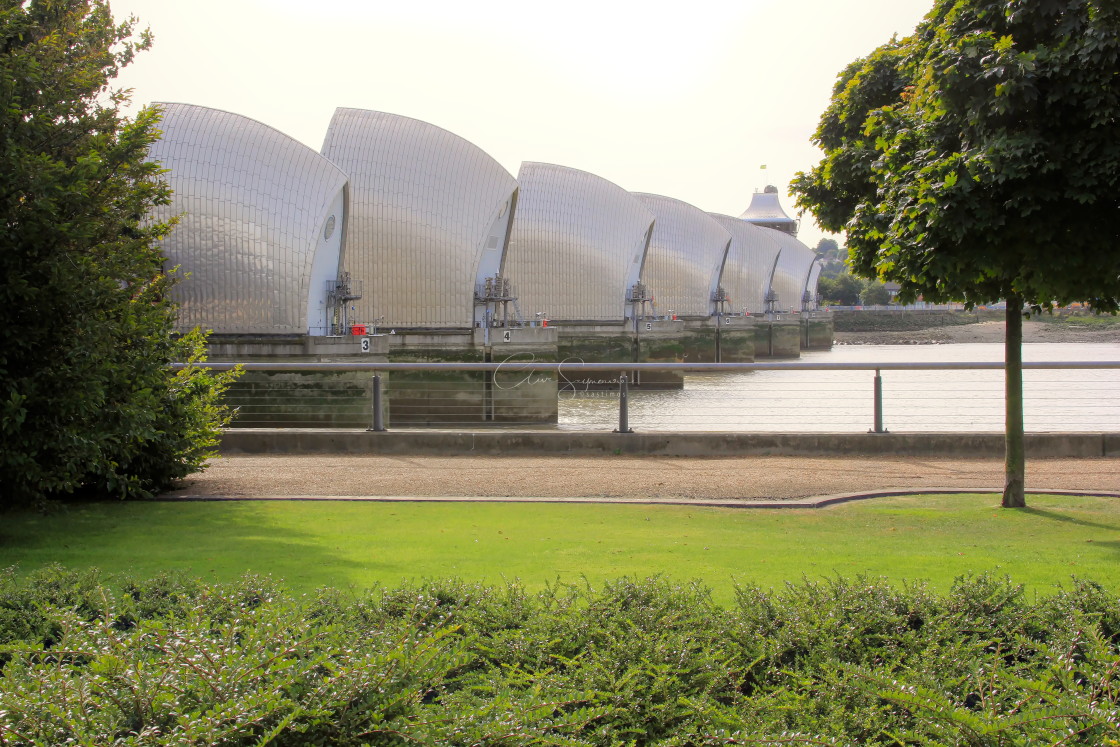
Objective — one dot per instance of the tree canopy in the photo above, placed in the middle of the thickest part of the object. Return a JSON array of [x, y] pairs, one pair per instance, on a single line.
[[979, 160], [831, 257], [87, 400], [843, 289]]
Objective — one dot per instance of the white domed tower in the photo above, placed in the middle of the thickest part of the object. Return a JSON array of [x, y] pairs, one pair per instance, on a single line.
[[766, 211]]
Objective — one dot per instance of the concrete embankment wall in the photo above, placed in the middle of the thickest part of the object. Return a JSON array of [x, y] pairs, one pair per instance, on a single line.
[[544, 443]]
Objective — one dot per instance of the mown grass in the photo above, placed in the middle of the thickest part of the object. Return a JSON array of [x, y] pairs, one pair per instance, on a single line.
[[361, 544], [311, 544]]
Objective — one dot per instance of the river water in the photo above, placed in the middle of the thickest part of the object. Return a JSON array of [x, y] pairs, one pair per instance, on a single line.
[[843, 401]]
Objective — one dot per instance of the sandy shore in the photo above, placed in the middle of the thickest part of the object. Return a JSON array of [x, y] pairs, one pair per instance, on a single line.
[[982, 332]]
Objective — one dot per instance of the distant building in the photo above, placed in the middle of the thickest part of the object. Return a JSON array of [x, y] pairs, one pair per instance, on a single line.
[[577, 244], [685, 258], [792, 275], [260, 224], [749, 268], [401, 224], [767, 212], [429, 219]]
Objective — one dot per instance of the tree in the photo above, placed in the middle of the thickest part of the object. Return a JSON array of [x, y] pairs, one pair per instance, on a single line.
[[842, 290], [978, 160], [875, 294], [88, 402], [828, 249], [831, 258]]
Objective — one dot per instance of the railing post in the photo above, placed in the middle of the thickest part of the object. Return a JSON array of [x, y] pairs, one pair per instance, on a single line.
[[623, 405], [378, 413], [878, 404]]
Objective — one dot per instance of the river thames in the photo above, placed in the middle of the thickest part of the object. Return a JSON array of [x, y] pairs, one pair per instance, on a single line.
[[842, 401]]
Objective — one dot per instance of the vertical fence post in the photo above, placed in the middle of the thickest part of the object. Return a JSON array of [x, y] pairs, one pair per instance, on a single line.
[[623, 405], [378, 413], [878, 404]]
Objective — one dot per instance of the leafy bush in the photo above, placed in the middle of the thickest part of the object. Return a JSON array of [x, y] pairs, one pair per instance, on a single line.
[[170, 660], [87, 400]]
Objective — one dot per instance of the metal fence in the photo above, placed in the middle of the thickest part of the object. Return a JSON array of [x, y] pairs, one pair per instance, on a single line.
[[795, 396]]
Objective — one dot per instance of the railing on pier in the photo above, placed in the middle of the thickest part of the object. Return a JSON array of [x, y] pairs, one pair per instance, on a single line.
[[792, 396]]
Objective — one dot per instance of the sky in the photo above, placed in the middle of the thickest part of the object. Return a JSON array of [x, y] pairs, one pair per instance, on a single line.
[[688, 99]]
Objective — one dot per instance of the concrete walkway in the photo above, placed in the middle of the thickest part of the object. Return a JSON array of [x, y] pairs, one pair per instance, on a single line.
[[754, 481]]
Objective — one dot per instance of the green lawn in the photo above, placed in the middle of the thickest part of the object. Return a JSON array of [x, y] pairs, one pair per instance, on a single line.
[[934, 538]]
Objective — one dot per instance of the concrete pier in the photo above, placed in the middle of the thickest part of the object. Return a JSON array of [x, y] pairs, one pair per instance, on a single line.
[[299, 399], [292, 399], [779, 337], [452, 397], [817, 330]]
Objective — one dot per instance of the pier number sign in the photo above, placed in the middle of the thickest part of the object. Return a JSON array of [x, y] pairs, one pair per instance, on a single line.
[[365, 345]]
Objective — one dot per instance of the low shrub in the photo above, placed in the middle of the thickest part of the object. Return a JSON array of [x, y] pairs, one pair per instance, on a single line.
[[170, 660]]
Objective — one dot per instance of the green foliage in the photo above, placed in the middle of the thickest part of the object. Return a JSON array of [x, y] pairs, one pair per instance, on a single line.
[[979, 158], [876, 294], [87, 402], [846, 289], [844, 180], [828, 248], [185, 421], [843, 290], [363, 543], [832, 258], [168, 661]]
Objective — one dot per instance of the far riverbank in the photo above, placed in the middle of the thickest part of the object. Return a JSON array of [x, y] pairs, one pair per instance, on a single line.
[[1073, 329]]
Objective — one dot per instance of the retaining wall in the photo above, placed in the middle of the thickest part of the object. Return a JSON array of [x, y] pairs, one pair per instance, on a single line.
[[497, 443]]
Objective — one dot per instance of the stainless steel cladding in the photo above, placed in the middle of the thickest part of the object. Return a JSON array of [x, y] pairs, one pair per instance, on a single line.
[[684, 259], [750, 265], [260, 223], [791, 275], [767, 212], [429, 217], [811, 287], [577, 244]]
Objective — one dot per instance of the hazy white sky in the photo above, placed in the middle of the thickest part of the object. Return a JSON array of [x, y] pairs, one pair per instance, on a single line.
[[685, 99]]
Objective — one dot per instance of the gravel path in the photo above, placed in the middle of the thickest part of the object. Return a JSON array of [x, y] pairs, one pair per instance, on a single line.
[[623, 477]]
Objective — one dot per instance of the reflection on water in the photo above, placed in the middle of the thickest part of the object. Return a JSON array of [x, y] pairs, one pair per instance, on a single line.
[[842, 401]]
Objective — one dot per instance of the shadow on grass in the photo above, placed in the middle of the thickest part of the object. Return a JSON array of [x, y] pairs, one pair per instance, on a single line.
[[203, 539], [1043, 513], [1113, 545]]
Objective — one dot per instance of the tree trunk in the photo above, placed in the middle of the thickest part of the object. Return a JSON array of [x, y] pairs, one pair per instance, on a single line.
[[1015, 462]]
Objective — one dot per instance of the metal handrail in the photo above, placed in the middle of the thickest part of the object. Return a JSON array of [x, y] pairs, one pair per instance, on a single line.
[[574, 371], [575, 367]]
